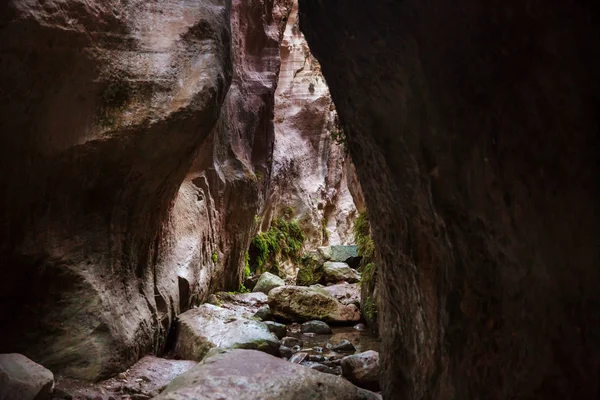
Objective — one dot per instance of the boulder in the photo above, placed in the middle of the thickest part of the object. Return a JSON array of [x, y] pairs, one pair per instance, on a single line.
[[298, 303], [346, 293], [311, 269], [318, 327], [279, 330], [250, 282], [263, 313], [208, 326], [344, 346], [339, 272], [346, 254], [249, 375], [290, 342], [268, 281], [244, 304], [22, 379], [285, 352], [362, 369]]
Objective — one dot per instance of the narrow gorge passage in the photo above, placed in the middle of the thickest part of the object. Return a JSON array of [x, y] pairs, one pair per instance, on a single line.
[[299, 199]]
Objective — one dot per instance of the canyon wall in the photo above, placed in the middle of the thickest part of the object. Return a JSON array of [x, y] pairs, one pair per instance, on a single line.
[[310, 176], [106, 109], [474, 130]]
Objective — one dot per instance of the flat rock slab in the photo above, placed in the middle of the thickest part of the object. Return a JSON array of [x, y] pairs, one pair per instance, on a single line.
[[23, 379], [146, 378], [346, 293], [200, 329], [334, 272], [250, 375], [244, 304], [299, 303]]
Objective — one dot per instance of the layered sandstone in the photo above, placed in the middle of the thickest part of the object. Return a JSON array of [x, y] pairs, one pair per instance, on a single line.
[[310, 176], [474, 130]]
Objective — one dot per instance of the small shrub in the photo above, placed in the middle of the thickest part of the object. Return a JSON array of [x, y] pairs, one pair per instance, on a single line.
[[284, 239], [215, 257]]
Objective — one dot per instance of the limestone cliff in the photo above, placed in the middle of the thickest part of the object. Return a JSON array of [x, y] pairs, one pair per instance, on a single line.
[[106, 108], [474, 130], [309, 174]]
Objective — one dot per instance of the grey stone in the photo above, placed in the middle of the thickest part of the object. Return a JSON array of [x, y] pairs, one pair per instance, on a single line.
[[209, 326], [344, 346], [263, 313], [335, 272], [299, 358], [362, 369], [23, 379], [267, 282], [290, 342], [279, 330], [314, 326], [285, 352]]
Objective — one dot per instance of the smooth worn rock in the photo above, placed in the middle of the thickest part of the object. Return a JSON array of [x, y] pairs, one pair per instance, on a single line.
[[263, 313], [290, 342], [209, 326], [299, 358], [345, 293], [344, 346], [318, 327], [362, 369], [267, 282], [251, 375], [127, 130], [339, 272], [298, 303], [279, 330], [360, 327], [22, 379], [144, 380], [285, 352]]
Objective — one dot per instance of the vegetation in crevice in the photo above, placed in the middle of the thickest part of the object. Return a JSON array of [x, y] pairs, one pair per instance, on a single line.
[[283, 241], [368, 269]]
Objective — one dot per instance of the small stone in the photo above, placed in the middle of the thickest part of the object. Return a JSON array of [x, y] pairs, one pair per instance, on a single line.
[[263, 313], [318, 327], [318, 349], [316, 358], [290, 342], [296, 349], [299, 358], [345, 346], [360, 327], [285, 352], [279, 330], [121, 375]]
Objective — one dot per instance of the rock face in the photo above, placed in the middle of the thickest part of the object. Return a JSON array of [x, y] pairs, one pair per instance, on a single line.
[[247, 374], [106, 109], [309, 174], [208, 326], [345, 293], [298, 303], [477, 150], [22, 379]]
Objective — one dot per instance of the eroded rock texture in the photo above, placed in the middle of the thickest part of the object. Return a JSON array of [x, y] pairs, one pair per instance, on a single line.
[[105, 107], [309, 174], [474, 129]]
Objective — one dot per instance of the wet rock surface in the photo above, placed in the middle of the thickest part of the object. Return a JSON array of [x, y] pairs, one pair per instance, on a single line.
[[208, 326], [249, 374], [298, 303], [144, 380], [22, 379], [318, 327]]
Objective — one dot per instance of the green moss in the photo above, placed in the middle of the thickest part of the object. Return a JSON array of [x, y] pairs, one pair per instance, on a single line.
[[284, 239], [362, 235], [247, 271], [215, 257], [370, 310]]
